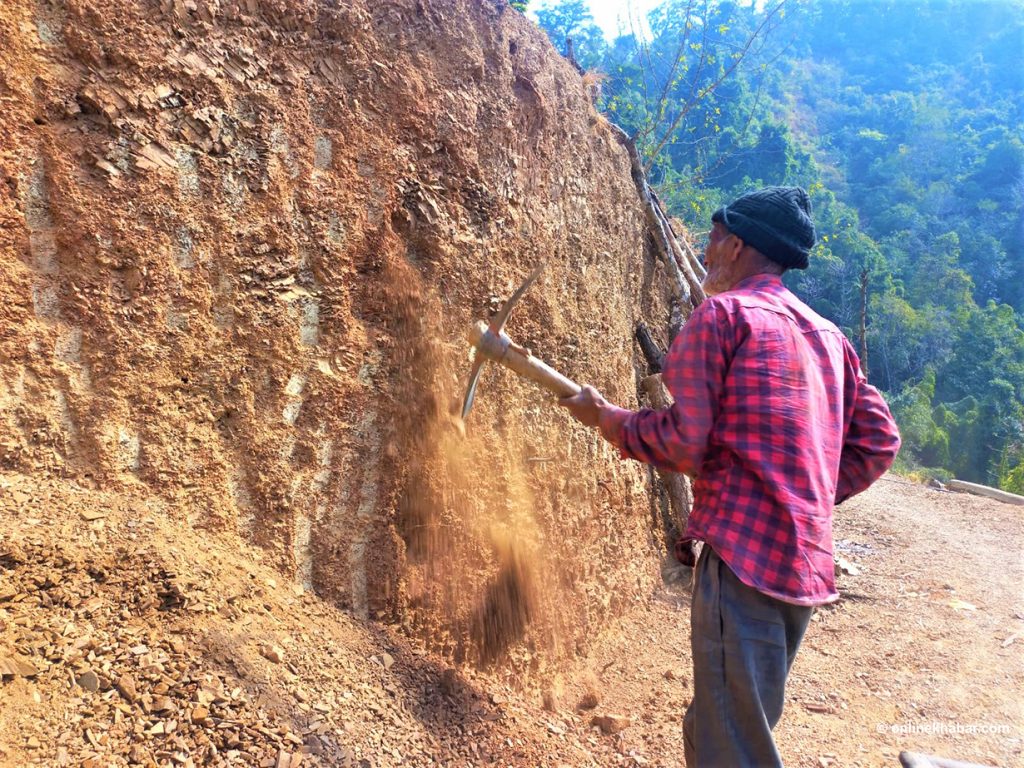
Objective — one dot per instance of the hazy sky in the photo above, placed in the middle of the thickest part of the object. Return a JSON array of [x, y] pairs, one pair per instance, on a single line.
[[611, 15]]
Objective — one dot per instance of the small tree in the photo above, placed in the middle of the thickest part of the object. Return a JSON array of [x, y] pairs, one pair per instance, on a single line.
[[698, 47], [571, 20]]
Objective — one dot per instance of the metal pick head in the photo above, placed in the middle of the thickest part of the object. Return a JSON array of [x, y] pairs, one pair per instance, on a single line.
[[495, 326], [474, 377], [498, 321]]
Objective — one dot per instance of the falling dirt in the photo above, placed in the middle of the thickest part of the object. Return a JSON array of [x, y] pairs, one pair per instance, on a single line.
[[507, 607]]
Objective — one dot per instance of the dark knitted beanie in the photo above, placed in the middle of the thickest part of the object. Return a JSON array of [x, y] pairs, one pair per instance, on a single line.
[[774, 220]]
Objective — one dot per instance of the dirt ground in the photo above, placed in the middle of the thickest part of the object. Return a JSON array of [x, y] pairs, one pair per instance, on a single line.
[[128, 639], [923, 647]]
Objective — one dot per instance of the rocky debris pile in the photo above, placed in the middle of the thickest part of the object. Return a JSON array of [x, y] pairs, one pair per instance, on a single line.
[[118, 642], [129, 640]]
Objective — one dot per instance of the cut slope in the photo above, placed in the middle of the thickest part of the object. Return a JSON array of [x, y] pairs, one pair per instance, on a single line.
[[241, 244]]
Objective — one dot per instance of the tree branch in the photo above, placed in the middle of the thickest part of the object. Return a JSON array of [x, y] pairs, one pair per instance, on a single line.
[[708, 90]]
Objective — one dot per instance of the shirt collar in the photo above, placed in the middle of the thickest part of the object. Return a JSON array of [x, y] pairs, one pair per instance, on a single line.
[[762, 282]]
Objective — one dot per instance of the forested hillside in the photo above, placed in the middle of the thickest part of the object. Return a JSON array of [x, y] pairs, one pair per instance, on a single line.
[[904, 120]]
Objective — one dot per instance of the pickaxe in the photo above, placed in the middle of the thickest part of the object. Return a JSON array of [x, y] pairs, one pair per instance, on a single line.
[[491, 343]]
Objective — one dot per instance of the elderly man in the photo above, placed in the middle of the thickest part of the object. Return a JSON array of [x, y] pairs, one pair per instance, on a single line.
[[775, 419]]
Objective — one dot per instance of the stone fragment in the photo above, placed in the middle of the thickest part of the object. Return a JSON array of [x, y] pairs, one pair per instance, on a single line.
[[126, 687], [162, 704], [611, 724], [15, 665], [549, 698], [107, 167], [675, 674], [272, 653], [89, 681]]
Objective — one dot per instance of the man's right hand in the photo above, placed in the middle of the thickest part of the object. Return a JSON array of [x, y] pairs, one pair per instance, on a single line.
[[586, 406]]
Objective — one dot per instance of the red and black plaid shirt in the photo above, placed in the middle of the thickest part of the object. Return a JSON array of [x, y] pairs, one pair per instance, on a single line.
[[775, 418]]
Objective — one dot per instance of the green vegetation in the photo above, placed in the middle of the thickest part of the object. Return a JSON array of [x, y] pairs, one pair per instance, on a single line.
[[572, 20], [904, 119]]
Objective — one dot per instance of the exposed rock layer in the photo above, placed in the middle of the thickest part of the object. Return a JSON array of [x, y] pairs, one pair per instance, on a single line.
[[241, 243]]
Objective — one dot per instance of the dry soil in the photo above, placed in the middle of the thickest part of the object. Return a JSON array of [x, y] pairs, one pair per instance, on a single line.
[[126, 638]]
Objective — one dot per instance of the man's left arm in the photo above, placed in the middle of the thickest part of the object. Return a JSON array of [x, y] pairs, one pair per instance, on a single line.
[[872, 438]]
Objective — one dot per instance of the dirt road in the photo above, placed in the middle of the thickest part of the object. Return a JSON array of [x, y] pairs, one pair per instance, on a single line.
[[149, 643], [923, 648]]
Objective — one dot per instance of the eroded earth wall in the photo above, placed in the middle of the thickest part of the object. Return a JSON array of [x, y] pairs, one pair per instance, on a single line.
[[241, 244]]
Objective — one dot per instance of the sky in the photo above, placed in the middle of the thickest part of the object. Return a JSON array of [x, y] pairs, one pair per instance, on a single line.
[[612, 16]]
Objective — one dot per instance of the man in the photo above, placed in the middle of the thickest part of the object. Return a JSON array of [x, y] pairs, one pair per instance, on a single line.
[[774, 417]]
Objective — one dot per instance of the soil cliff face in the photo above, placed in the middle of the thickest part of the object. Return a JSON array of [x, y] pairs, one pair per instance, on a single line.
[[241, 244]]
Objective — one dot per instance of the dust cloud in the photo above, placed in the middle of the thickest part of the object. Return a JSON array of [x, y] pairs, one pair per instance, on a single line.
[[474, 565]]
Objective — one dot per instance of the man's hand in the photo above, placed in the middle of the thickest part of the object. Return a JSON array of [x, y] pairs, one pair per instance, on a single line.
[[586, 406]]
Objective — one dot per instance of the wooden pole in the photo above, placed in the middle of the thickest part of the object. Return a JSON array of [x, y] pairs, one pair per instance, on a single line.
[[649, 347], [677, 486], [685, 282]]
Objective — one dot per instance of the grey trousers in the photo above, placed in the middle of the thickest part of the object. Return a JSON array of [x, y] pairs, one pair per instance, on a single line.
[[743, 645]]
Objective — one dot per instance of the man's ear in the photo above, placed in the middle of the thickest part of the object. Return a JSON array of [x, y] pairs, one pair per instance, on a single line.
[[733, 248]]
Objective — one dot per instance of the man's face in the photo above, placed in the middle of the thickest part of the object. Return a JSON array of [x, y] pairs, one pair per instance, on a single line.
[[720, 260]]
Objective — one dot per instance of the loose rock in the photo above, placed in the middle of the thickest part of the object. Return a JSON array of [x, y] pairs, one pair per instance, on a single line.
[[611, 724], [89, 681], [272, 653]]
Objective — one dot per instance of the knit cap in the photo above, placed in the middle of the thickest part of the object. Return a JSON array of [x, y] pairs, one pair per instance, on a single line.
[[774, 220]]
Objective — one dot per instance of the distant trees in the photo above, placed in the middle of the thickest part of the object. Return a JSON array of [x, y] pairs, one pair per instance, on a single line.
[[904, 119], [571, 20], [667, 90], [934, 171]]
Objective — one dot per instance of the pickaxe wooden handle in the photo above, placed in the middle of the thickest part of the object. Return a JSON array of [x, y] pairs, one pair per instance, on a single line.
[[501, 349]]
